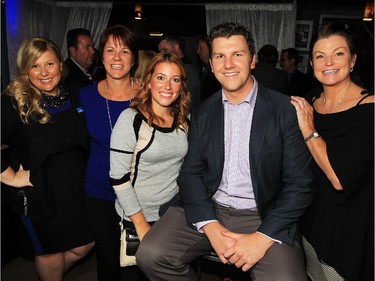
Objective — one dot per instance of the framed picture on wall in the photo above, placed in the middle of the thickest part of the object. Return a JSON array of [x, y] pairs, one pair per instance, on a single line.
[[303, 61], [303, 34], [343, 18]]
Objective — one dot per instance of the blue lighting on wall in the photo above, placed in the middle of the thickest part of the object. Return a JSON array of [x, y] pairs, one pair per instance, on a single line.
[[13, 15]]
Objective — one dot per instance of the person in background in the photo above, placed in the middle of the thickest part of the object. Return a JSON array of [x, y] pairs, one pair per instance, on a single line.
[[97, 70], [338, 127], [209, 83], [245, 181], [299, 84], [265, 70], [144, 57], [81, 57], [103, 102], [173, 45], [48, 148], [149, 143]]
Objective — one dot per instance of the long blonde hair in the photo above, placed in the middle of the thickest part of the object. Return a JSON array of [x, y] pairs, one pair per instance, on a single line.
[[180, 107], [28, 98], [144, 57]]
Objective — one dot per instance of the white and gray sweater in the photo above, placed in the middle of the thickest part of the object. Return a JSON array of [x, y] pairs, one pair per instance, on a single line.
[[144, 164]]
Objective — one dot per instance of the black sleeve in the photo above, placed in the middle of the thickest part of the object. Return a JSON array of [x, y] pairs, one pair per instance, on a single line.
[[10, 122]]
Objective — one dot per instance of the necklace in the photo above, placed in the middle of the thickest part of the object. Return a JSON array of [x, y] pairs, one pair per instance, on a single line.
[[339, 102], [57, 101], [107, 103]]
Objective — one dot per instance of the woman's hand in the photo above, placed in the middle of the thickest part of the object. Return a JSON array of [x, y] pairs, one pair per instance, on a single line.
[[20, 178], [305, 115], [140, 224], [142, 229]]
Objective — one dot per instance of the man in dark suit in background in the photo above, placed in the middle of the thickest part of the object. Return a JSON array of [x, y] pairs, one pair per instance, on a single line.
[[266, 72], [245, 181], [299, 84], [209, 83], [81, 56]]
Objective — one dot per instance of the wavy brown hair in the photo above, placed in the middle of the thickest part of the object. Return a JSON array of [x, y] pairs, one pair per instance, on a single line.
[[28, 98], [180, 108]]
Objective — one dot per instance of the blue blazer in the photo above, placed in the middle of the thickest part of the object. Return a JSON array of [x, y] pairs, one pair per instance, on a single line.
[[279, 164]]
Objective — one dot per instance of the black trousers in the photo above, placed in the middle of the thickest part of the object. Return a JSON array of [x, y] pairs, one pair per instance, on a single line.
[[104, 221]]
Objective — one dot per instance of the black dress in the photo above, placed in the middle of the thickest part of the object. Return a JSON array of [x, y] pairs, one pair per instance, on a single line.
[[340, 224], [56, 155]]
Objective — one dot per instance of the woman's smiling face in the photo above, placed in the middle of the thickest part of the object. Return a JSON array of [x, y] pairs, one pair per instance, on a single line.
[[165, 84], [332, 60], [45, 74]]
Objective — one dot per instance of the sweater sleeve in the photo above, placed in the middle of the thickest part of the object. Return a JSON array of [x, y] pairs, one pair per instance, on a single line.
[[123, 142]]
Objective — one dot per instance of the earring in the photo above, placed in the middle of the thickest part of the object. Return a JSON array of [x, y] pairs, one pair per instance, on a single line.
[[351, 69]]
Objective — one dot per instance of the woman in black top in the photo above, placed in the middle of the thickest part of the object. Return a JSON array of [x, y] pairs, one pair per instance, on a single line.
[[48, 146], [338, 129]]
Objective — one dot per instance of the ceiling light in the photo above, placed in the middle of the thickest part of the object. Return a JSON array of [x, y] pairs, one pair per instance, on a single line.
[[155, 33], [138, 12], [369, 11]]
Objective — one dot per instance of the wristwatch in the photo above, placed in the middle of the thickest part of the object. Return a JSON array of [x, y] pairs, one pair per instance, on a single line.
[[313, 135]]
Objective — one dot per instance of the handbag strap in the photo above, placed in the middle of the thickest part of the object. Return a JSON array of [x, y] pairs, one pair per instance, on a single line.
[[121, 221]]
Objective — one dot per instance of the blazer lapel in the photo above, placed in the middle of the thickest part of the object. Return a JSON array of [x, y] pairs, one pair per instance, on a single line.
[[260, 121], [217, 134]]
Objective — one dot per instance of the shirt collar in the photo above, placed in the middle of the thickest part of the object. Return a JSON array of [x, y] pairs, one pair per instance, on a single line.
[[250, 98], [80, 67]]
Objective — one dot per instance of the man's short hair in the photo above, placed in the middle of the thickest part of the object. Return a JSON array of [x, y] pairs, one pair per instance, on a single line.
[[204, 38], [268, 53], [72, 36], [173, 40], [292, 54], [228, 29]]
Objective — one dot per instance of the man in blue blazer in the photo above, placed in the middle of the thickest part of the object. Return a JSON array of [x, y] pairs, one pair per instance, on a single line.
[[245, 181]]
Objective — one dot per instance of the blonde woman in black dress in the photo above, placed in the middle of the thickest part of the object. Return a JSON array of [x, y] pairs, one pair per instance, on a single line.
[[48, 147]]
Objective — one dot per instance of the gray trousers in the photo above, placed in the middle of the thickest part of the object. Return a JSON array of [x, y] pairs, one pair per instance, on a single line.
[[167, 250]]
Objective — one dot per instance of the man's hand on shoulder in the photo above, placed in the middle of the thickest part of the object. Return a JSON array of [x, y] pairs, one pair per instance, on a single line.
[[247, 250]]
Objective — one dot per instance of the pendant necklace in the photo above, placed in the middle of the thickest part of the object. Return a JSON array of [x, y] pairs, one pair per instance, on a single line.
[[339, 102], [107, 103]]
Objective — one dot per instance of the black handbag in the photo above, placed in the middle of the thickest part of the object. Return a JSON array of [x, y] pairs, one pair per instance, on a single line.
[[132, 241], [129, 243]]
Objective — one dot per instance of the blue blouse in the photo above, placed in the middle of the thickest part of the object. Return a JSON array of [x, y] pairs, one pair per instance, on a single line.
[[97, 174]]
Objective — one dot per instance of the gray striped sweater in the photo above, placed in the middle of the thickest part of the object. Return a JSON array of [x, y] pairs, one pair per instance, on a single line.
[[144, 164]]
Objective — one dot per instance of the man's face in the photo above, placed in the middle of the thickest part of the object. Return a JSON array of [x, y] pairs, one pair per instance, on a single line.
[[203, 51], [285, 63], [231, 63], [166, 47], [84, 54]]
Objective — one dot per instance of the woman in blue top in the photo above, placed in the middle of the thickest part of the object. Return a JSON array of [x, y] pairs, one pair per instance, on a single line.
[[103, 103]]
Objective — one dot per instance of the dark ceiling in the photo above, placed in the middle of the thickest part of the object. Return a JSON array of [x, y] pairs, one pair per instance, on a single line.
[[187, 18]]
